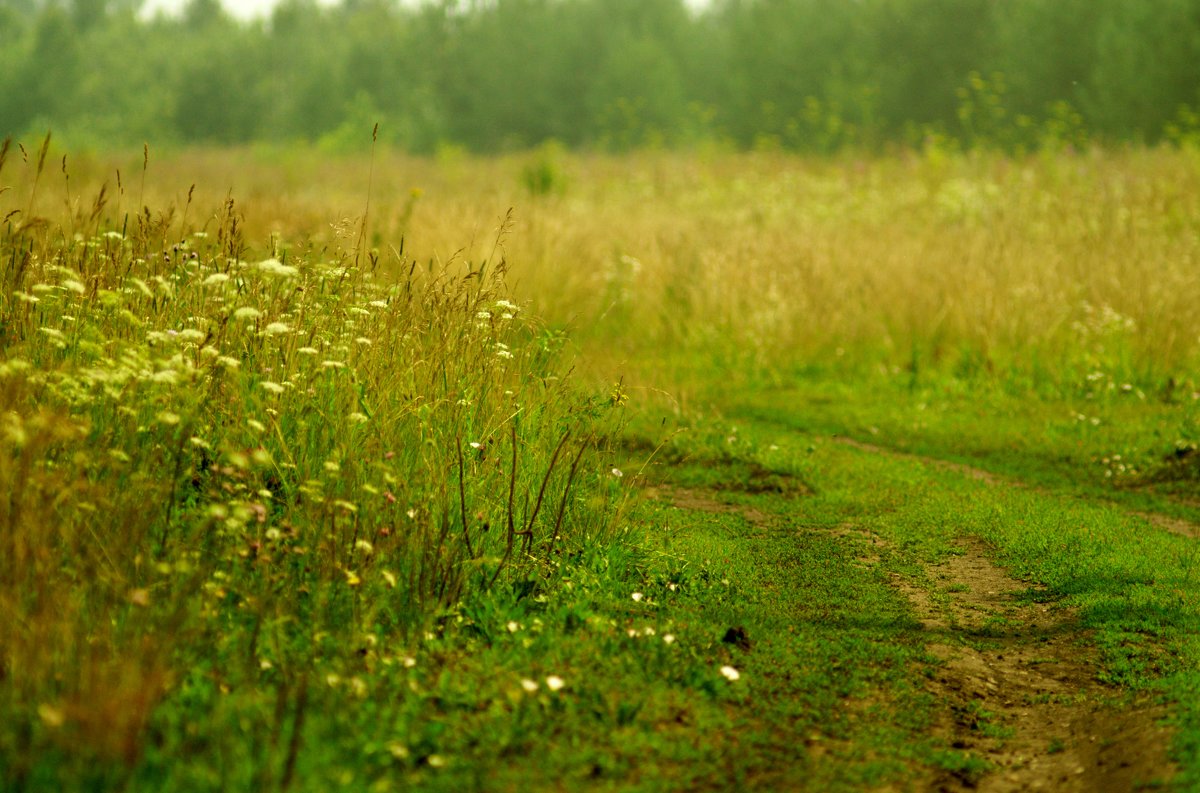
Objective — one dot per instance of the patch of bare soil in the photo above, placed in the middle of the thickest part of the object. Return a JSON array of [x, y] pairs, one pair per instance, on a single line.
[[1174, 525], [705, 501], [1017, 687]]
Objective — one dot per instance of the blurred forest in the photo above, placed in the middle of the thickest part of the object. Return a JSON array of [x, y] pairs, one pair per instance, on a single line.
[[498, 75]]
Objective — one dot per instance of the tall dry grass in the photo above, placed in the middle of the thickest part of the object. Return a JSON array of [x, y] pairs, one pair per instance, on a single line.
[[1048, 268], [229, 460]]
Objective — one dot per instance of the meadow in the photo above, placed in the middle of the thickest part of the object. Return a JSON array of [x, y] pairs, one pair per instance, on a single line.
[[536, 470]]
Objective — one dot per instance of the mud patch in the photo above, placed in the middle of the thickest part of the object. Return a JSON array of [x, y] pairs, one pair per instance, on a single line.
[[1016, 687], [704, 501], [1178, 526]]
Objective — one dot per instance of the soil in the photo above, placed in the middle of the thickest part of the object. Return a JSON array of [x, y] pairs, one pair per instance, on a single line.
[[1016, 683], [1017, 679], [1014, 678]]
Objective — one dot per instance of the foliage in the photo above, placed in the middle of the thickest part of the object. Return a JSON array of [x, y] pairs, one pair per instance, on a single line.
[[229, 468], [811, 75]]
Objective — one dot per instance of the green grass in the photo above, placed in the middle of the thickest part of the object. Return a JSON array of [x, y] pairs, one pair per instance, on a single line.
[[295, 510]]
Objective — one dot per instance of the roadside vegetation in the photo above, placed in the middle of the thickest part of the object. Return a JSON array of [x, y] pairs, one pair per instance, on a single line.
[[533, 471]]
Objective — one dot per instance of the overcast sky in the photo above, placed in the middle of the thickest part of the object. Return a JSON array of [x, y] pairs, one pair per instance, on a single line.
[[243, 9], [249, 9]]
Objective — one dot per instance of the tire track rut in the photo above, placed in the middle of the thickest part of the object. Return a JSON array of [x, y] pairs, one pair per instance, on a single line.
[[1016, 685]]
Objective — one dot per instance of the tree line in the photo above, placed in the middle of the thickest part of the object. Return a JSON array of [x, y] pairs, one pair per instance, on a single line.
[[495, 75]]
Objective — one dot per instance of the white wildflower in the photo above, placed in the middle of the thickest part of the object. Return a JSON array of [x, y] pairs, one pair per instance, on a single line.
[[277, 268]]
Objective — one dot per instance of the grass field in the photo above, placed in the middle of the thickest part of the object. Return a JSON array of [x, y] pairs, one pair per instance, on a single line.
[[662, 472]]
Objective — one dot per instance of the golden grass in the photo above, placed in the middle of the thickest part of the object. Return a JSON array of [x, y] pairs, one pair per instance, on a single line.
[[1051, 265]]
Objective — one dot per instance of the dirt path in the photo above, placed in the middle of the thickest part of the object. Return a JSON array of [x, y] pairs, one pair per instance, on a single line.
[[1017, 679], [1014, 680], [1017, 686]]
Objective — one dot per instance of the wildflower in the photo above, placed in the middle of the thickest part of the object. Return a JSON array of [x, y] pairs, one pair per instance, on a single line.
[[513, 627], [637, 597], [51, 716], [618, 473], [215, 279], [307, 350], [530, 686], [247, 312], [730, 673], [554, 682], [668, 638], [276, 268], [274, 388], [74, 286], [276, 329]]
